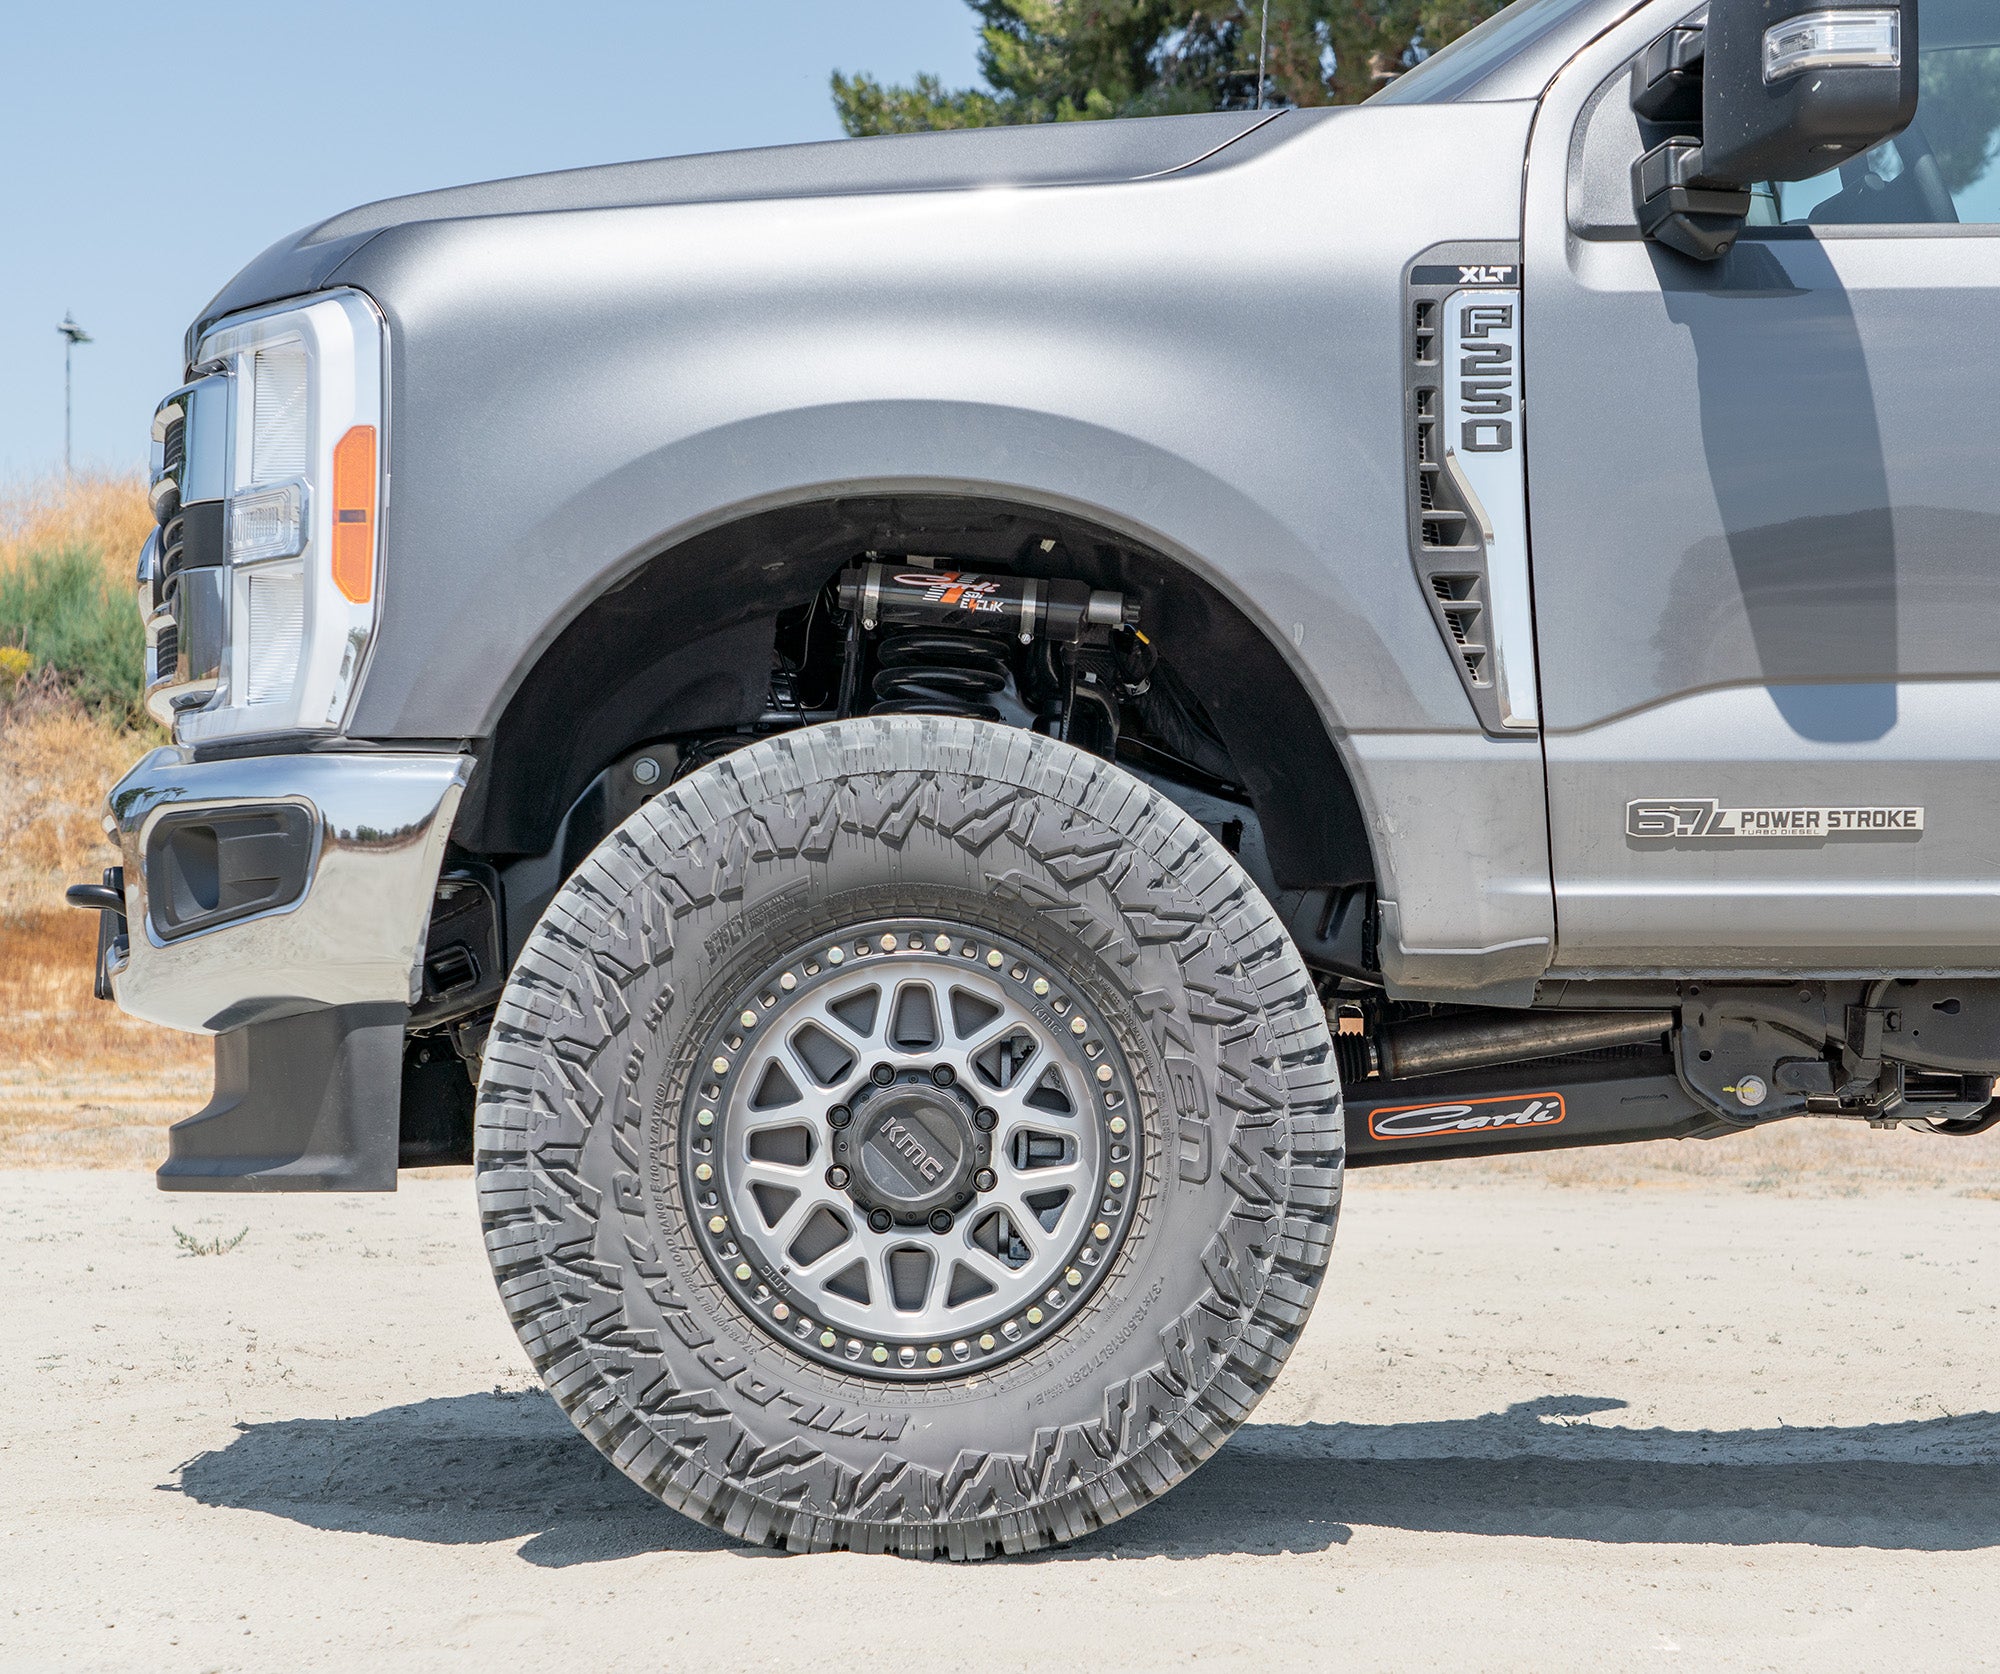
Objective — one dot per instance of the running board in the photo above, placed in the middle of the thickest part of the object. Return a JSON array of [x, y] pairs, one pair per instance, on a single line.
[[1522, 1107]]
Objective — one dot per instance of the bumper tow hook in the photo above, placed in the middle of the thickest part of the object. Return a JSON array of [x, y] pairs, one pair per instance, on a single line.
[[107, 900]]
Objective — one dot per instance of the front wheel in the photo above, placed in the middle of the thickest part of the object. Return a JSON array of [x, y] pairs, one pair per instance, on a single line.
[[910, 1134]]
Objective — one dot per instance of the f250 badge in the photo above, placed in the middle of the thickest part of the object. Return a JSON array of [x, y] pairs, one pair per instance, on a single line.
[[1468, 1116], [1695, 816]]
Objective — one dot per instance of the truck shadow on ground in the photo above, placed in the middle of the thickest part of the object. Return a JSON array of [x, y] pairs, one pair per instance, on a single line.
[[507, 1466]]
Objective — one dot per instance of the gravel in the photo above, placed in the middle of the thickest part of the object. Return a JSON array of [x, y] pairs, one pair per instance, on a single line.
[[1530, 1427]]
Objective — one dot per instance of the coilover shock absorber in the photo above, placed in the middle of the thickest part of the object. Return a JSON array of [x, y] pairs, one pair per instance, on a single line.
[[944, 646], [1027, 607]]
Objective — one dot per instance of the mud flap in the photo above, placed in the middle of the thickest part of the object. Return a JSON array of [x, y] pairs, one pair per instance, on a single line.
[[304, 1104]]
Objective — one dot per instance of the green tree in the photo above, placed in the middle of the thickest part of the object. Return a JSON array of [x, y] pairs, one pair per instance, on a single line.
[[1072, 60]]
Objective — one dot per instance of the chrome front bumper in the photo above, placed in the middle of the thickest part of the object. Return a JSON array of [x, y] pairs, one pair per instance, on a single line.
[[355, 936]]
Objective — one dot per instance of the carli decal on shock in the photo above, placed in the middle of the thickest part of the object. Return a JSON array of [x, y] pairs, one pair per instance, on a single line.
[[1453, 1118]]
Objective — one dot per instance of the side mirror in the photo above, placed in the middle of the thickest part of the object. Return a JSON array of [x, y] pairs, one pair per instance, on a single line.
[[1788, 89]]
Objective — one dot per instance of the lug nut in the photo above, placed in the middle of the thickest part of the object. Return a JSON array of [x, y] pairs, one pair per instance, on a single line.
[[836, 1177], [882, 1075], [943, 1074], [985, 1120], [880, 1220], [985, 1180], [839, 1116], [940, 1220]]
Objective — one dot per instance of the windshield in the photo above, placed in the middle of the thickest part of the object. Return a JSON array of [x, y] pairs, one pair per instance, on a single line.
[[1477, 64]]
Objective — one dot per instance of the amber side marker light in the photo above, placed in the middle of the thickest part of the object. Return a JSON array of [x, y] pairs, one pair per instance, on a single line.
[[354, 514]]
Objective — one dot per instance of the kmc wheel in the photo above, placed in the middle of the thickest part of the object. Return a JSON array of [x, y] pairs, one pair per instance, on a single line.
[[909, 1135]]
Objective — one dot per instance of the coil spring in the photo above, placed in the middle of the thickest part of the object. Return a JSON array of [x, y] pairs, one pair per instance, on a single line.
[[927, 671]]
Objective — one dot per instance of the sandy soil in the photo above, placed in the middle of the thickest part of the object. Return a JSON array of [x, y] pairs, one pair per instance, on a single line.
[[1529, 1427]]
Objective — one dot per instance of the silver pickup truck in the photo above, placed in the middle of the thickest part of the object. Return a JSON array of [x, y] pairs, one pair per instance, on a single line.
[[907, 744]]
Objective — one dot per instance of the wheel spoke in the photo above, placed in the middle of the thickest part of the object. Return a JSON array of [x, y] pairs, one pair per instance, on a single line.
[[984, 1260]]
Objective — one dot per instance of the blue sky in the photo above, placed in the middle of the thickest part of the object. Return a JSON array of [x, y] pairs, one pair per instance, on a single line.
[[148, 151]]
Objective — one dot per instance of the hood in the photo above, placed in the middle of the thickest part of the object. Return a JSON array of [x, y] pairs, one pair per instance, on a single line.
[[1054, 154]]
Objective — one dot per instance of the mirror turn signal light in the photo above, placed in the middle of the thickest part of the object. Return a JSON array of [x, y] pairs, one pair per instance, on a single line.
[[354, 478], [1844, 40]]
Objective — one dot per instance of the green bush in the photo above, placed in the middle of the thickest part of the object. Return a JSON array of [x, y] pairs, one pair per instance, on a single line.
[[62, 609]]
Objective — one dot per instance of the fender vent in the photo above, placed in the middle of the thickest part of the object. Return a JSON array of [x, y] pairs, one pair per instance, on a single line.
[[1462, 608], [1446, 548], [1424, 333]]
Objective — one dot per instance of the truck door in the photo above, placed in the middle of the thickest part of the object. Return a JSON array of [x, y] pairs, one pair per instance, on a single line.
[[1765, 516]]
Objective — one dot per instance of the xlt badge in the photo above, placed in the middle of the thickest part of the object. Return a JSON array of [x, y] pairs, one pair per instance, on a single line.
[[1694, 816]]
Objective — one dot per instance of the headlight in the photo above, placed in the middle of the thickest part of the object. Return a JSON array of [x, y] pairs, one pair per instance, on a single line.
[[301, 525], [267, 523]]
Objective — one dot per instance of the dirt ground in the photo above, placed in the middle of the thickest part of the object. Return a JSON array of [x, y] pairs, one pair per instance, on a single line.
[[1530, 1427]]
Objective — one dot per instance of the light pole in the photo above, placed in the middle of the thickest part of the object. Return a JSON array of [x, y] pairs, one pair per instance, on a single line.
[[1263, 34], [72, 334]]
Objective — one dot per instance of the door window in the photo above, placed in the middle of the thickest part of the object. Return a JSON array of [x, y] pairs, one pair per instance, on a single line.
[[1945, 167]]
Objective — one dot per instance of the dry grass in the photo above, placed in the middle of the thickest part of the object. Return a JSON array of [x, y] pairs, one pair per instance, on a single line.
[[56, 763], [80, 1082], [107, 515]]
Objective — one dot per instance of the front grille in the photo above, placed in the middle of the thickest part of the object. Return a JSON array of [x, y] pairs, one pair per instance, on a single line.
[[171, 547], [188, 548]]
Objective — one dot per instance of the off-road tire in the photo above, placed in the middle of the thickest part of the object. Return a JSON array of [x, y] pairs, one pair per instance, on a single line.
[[586, 1082]]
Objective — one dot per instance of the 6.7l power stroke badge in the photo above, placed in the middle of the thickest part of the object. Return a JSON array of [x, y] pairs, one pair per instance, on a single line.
[[1694, 816]]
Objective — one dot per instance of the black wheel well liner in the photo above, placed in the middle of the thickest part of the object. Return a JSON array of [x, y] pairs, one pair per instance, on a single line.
[[682, 644]]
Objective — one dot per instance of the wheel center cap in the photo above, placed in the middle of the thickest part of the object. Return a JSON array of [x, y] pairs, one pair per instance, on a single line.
[[914, 1150]]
